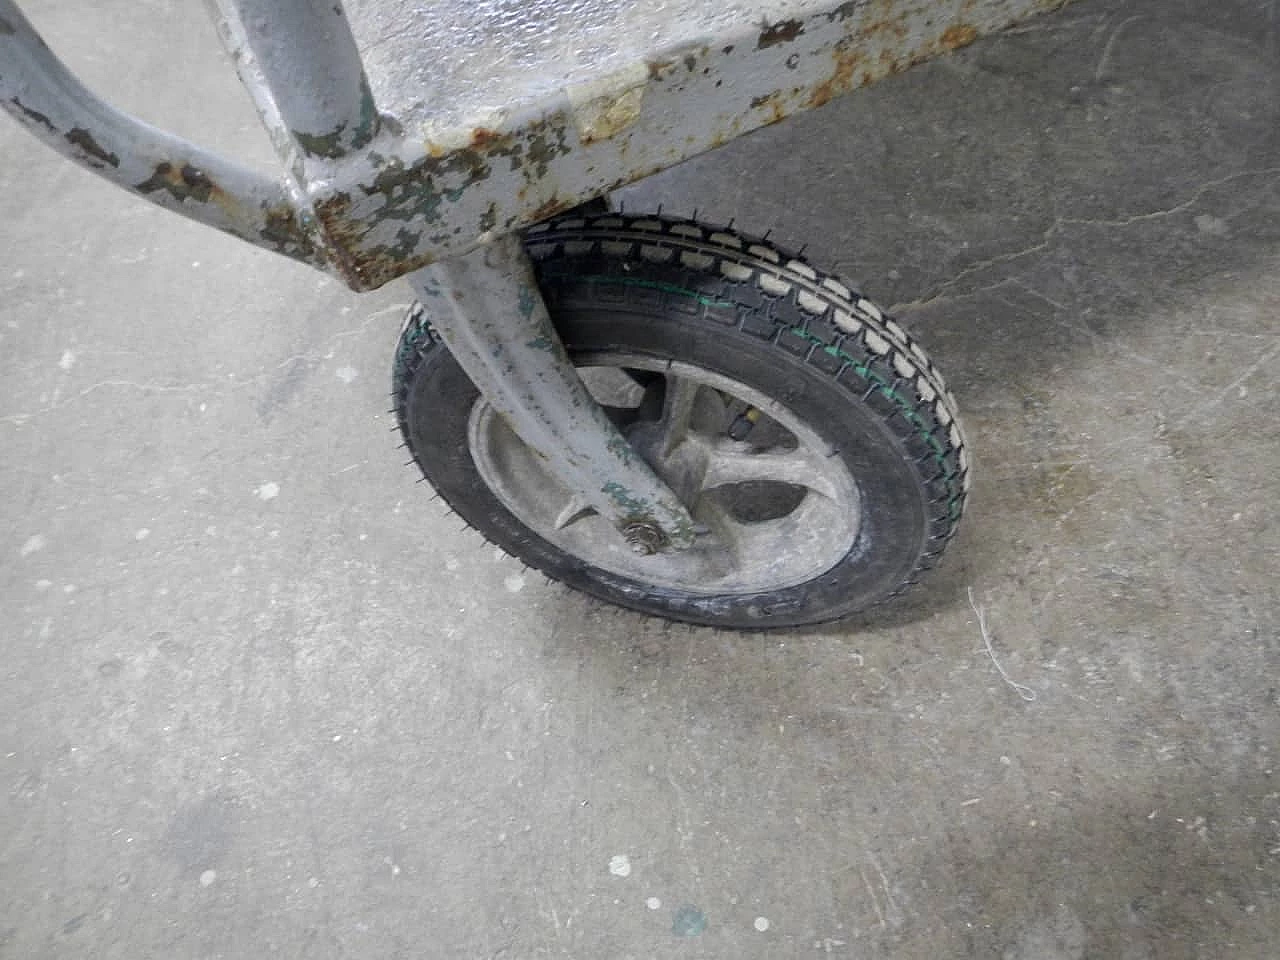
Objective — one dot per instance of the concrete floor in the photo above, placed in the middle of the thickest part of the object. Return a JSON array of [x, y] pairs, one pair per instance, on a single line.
[[259, 697]]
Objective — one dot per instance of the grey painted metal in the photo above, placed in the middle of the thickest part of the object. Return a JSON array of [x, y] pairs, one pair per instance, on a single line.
[[306, 73], [43, 95], [487, 309], [492, 116], [513, 112]]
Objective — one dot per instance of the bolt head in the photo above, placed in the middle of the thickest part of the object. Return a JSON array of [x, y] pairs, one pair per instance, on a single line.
[[644, 538]]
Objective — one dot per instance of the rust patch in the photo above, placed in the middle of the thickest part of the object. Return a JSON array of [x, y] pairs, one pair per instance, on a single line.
[[183, 183], [362, 269], [658, 69], [82, 138], [782, 32], [550, 209], [282, 231], [482, 138], [842, 79], [415, 197], [959, 35], [895, 27], [773, 103]]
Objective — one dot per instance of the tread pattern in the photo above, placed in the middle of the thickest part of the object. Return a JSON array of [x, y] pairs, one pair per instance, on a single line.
[[714, 273]]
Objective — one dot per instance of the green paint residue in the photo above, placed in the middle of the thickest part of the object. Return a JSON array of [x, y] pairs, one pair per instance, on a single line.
[[620, 448], [527, 302], [636, 509], [409, 345], [907, 410], [665, 288], [688, 921]]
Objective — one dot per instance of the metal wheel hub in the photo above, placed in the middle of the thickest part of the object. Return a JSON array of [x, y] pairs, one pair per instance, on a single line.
[[774, 503]]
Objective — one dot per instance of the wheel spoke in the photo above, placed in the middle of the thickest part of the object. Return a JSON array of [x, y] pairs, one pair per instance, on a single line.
[[678, 403], [678, 417], [720, 546], [736, 463], [576, 509]]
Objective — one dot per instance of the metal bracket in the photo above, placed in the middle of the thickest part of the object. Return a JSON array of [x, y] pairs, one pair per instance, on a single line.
[[487, 308], [46, 98], [385, 177]]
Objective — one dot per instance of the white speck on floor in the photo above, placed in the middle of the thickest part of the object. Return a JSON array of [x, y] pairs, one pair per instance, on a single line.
[[620, 865], [269, 491], [346, 374], [313, 882], [43, 584], [207, 878], [33, 544], [1213, 226], [653, 903], [762, 924], [68, 360], [142, 534], [451, 563], [514, 583]]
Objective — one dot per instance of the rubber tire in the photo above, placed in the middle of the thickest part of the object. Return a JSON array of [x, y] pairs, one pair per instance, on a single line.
[[744, 309]]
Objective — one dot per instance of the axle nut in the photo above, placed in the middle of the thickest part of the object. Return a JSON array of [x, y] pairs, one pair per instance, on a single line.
[[644, 537]]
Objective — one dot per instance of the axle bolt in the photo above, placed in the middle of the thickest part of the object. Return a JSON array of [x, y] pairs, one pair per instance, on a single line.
[[644, 537]]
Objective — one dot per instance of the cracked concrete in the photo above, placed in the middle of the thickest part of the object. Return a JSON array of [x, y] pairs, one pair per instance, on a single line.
[[261, 695]]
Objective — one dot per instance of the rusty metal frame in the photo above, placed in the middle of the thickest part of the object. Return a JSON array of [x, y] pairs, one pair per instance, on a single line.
[[372, 197], [370, 200], [516, 359], [48, 100], [387, 200]]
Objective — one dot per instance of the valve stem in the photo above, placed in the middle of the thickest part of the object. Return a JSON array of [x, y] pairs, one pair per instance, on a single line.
[[742, 424]]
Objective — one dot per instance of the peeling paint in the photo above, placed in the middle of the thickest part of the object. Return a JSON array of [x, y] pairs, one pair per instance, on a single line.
[[960, 35], [82, 138], [774, 104], [782, 32], [34, 116], [381, 201], [181, 183], [284, 233], [605, 107], [327, 145], [847, 59]]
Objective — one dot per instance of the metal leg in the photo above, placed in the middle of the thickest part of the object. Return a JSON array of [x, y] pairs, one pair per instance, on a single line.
[[487, 308], [43, 95], [300, 63]]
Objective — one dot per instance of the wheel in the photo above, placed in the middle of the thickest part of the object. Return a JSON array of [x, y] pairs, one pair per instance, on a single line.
[[812, 440]]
